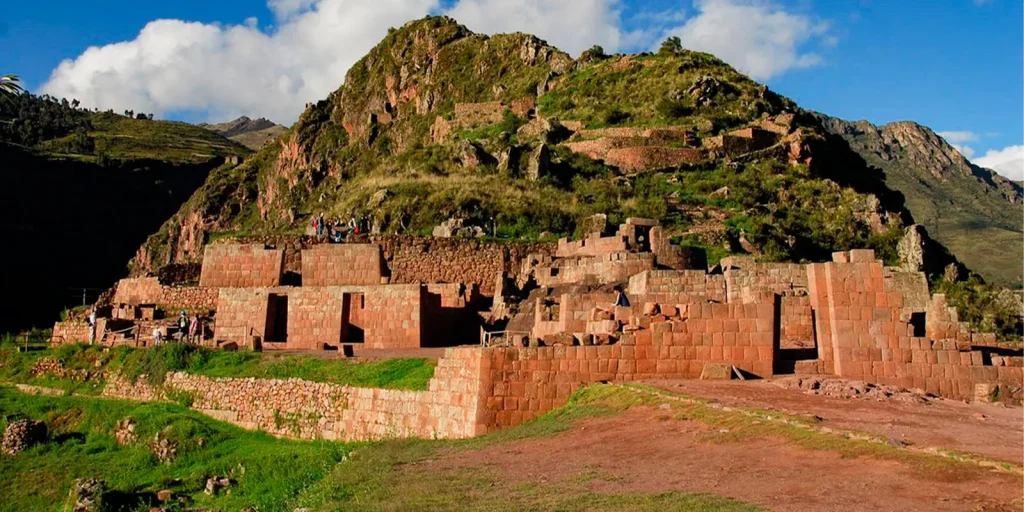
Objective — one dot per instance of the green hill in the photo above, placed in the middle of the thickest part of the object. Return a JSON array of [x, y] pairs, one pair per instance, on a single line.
[[81, 191], [971, 210]]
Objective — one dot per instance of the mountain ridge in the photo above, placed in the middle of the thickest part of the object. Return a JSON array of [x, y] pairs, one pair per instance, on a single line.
[[252, 133], [966, 207]]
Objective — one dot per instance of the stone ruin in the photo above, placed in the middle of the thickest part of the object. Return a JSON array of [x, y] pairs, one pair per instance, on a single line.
[[23, 434], [531, 323]]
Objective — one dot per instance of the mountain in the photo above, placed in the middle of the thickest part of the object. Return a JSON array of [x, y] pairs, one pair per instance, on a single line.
[[253, 134], [438, 122], [973, 211], [80, 190]]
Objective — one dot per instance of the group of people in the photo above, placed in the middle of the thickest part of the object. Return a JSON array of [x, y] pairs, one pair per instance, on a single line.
[[338, 230], [190, 331]]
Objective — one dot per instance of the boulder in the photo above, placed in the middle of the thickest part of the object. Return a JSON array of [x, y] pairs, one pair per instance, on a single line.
[[22, 435], [540, 159], [704, 89], [124, 432], [911, 248], [472, 156]]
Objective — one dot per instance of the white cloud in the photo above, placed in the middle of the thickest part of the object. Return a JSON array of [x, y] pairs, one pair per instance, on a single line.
[[571, 25], [755, 37], [222, 71], [1008, 161], [226, 71], [959, 137], [966, 151]]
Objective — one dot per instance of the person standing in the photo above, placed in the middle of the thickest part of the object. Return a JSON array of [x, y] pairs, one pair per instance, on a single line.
[[195, 329], [92, 326], [158, 336], [182, 325]]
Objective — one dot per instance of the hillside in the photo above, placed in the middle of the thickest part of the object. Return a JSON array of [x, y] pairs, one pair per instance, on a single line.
[[251, 133], [81, 190], [438, 122], [506, 131], [971, 210]]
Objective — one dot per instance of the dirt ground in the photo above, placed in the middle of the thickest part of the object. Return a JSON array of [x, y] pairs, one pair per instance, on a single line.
[[643, 450], [993, 431]]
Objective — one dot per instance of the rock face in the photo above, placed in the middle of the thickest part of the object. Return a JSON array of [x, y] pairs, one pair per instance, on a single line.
[[911, 248], [22, 435], [455, 227], [963, 206], [540, 159], [252, 133]]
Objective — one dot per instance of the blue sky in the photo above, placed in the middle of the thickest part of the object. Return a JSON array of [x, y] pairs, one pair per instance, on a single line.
[[954, 65]]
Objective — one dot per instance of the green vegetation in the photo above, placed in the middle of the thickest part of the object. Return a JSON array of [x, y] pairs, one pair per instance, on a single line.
[[59, 128], [985, 307], [268, 473], [280, 474], [92, 362]]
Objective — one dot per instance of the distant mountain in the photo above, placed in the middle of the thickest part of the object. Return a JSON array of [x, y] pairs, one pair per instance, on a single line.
[[252, 133], [973, 211]]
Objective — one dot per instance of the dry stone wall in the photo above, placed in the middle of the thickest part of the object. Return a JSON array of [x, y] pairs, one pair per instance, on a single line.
[[605, 268], [149, 291], [449, 408], [439, 260]]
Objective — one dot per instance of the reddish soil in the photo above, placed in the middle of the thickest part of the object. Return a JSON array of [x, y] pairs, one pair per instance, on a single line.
[[989, 430], [643, 450]]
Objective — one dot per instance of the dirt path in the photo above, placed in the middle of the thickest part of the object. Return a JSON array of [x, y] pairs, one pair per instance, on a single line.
[[644, 450], [989, 430]]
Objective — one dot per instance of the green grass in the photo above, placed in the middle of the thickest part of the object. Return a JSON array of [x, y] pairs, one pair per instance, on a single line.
[[408, 373], [120, 138], [283, 474], [83, 446]]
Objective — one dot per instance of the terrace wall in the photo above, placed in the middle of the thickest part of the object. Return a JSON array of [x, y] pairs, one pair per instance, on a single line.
[[148, 290], [449, 408]]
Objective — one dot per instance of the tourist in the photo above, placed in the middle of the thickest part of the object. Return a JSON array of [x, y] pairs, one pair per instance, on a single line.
[[92, 326], [352, 226], [316, 226], [620, 298], [195, 329], [182, 325], [158, 336]]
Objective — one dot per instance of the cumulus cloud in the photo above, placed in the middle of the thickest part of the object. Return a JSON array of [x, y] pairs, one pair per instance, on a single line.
[[1008, 161], [755, 37], [959, 137], [571, 25], [216, 71], [226, 71]]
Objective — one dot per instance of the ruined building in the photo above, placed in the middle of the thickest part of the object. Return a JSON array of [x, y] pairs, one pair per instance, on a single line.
[[531, 323]]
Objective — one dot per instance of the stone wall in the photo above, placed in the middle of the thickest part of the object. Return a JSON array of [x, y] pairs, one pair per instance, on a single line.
[[691, 286], [233, 265], [475, 115], [450, 407], [593, 245], [876, 337], [148, 290], [342, 265], [378, 316], [442, 260], [606, 268], [652, 157], [71, 331], [747, 280]]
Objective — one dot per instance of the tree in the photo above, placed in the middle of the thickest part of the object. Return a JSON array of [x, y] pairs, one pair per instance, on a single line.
[[10, 85], [671, 45]]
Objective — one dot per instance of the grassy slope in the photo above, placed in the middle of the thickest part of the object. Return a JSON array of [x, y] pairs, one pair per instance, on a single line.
[[283, 474], [412, 374], [119, 137]]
